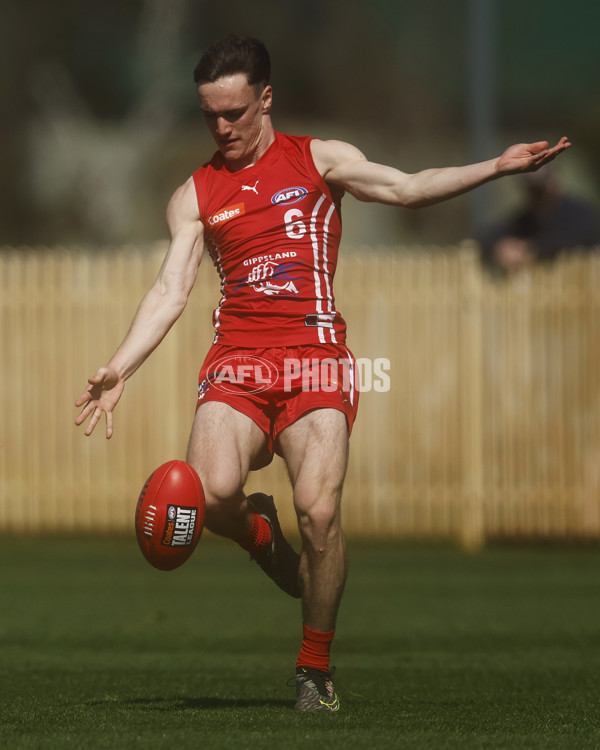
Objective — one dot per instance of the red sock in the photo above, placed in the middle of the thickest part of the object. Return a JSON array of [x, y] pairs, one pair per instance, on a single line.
[[259, 535], [315, 649]]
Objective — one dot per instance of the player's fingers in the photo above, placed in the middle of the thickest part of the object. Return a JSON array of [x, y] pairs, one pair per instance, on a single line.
[[85, 414], [83, 399], [109, 425], [98, 377], [94, 421], [548, 159], [550, 153], [563, 144], [549, 156], [536, 148]]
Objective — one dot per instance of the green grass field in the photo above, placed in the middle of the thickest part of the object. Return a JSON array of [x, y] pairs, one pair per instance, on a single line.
[[435, 649]]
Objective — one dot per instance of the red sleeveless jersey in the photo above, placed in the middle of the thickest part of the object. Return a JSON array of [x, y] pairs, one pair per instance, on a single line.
[[273, 232]]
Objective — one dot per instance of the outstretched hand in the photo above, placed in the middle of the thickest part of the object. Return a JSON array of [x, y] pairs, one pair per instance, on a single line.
[[528, 157], [101, 395]]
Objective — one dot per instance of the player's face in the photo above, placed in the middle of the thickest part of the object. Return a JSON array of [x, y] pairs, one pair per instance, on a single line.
[[235, 113]]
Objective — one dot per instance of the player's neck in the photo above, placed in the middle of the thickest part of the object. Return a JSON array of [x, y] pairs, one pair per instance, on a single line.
[[264, 141]]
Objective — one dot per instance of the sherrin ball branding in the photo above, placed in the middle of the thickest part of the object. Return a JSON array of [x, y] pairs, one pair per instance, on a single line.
[[180, 527], [169, 515]]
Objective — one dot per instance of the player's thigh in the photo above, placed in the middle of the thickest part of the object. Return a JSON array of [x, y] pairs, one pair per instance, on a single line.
[[224, 444], [315, 449]]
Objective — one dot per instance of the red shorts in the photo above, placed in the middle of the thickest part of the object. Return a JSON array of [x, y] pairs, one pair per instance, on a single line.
[[276, 386]]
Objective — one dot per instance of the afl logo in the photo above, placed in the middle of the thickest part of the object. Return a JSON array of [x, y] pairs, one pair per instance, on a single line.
[[289, 195], [237, 372]]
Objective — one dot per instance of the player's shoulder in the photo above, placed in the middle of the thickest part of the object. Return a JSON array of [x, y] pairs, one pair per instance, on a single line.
[[328, 154], [183, 203]]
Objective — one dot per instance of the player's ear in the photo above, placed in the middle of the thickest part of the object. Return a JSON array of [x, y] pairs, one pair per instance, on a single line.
[[266, 100]]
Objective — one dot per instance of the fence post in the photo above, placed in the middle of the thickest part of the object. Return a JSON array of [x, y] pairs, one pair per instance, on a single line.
[[472, 523]]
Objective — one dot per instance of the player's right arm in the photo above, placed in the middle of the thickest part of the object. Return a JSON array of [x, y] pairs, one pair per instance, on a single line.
[[159, 309]]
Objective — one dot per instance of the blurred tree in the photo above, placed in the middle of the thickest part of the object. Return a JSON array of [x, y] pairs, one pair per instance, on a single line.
[[100, 120], [86, 170]]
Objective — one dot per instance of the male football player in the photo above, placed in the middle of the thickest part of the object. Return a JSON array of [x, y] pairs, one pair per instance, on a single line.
[[267, 209]]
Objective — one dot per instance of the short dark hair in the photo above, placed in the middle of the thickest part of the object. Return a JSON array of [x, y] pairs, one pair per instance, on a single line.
[[235, 54]]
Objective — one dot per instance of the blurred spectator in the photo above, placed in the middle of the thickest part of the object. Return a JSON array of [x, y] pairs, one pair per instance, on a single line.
[[549, 222]]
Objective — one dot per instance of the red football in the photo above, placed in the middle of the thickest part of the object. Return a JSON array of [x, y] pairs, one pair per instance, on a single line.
[[169, 516]]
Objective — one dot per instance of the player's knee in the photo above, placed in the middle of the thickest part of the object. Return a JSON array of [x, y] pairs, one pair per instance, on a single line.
[[219, 487], [224, 496], [318, 522]]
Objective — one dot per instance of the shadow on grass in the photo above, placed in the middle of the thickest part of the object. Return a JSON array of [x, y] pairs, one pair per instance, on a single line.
[[184, 703]]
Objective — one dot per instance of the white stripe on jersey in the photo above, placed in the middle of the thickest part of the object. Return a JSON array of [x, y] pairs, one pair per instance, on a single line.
[[315, 245], [325, 274], [321, 256]]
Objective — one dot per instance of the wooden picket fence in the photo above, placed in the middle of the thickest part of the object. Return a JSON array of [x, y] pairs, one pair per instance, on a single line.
[[490, 427]]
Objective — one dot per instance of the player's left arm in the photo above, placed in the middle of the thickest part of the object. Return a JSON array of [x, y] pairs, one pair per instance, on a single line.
[[345, 166]]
